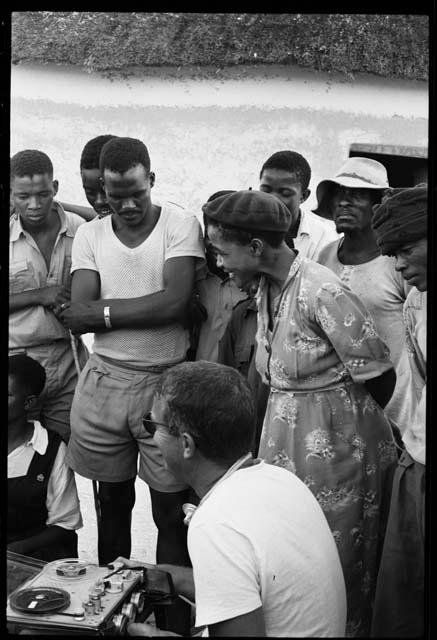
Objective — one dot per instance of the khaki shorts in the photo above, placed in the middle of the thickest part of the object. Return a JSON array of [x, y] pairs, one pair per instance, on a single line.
[[107, 432]]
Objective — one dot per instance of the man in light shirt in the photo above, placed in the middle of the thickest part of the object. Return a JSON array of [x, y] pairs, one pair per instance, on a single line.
[[265, 562], [133, 275], [400, 222], [355, 257], [43, 507], [40, 240], [286, 175]]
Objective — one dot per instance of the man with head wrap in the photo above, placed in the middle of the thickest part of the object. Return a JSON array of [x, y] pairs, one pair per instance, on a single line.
[[400, 222]]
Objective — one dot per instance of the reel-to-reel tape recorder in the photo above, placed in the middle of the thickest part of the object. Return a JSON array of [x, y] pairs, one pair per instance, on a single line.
[[83, 598]]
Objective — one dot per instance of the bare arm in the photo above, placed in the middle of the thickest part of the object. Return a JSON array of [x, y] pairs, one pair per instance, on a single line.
[[45, 296], [162, 307], [249, 624], [381, 388], [87, 213], [85, 285], [182, 577]]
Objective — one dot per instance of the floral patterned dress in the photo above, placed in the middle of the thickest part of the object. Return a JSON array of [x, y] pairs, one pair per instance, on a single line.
[[321, 422]]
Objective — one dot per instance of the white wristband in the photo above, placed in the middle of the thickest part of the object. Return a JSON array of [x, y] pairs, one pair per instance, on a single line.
[[107, 317]]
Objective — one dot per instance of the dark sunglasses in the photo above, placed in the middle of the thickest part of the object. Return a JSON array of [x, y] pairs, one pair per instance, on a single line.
[[150, 425]]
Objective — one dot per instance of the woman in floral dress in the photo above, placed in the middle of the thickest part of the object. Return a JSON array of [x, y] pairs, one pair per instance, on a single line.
[[329, 375]]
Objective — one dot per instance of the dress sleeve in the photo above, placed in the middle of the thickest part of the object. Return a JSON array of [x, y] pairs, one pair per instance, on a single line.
[[62, 500], [350, 328], [225, 577], [82, 251]]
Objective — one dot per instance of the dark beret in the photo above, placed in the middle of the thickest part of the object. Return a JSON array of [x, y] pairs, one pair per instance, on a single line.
[[249, 210]]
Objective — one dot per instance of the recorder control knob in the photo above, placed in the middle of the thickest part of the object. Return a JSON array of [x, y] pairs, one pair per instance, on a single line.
[[120, 622], [137, 599], [129, 610]]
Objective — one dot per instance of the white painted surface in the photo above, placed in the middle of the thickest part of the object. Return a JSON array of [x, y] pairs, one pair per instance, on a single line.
[[269, 87]]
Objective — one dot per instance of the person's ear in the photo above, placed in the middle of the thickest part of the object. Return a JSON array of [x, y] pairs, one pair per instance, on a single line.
[[256, 247], [188, 445], [152, 178], [305, 195], [55, 187], [30, 402]]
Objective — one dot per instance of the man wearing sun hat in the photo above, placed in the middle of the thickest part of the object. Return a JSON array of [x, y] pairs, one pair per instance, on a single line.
[[400, 223], [356, 259]]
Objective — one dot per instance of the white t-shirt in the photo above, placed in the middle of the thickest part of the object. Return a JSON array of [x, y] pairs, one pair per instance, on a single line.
[[62, 501], [415, 315], [133, 272], [261, 539], [383, 291]]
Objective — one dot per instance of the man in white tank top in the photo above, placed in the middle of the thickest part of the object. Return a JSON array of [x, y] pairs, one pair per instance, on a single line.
[[133, 274]]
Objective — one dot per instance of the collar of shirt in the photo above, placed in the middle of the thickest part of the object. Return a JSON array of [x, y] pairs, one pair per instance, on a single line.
[[304, 225], [16, 228], [40, 438]]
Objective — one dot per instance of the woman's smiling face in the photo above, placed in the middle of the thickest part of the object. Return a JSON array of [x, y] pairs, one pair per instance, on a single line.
[[236, 259]]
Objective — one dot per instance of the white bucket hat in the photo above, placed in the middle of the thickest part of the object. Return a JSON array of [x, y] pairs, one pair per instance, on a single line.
[[355, 173]]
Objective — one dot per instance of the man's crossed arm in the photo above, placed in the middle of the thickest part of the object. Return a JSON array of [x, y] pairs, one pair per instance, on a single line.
[[85, 313]]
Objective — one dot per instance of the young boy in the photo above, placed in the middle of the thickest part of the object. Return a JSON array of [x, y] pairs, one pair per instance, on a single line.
[[43, 507], [92, 181]]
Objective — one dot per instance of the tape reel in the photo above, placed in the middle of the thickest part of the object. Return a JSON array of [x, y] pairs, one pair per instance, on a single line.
[[40, 600], [69, 570]]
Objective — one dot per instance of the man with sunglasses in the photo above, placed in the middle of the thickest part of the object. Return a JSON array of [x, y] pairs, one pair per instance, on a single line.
[[264, 560], [348, 199]]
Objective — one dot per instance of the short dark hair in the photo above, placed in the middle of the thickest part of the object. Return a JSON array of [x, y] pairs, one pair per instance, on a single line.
[[244, 236], [121, 154], [212, 402], [30, 162], [91, 152], [292, 162], [30, 373]]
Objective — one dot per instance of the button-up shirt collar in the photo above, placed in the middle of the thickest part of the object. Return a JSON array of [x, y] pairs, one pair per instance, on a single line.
[[17, 227]]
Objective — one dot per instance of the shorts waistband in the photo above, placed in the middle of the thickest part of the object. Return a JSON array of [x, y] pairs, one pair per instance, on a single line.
[[132, 368]]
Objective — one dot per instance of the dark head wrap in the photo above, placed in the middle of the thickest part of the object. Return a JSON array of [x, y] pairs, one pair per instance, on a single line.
[[401, 218]]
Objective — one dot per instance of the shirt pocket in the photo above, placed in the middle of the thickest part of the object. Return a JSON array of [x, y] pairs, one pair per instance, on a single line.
[[22, 276]]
